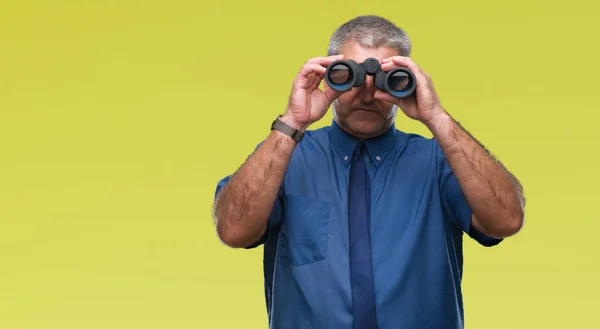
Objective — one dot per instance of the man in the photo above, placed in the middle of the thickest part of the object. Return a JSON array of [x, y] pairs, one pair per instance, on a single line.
[[361, 223]]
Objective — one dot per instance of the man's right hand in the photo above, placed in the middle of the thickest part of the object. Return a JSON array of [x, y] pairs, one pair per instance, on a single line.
[[307, 103]]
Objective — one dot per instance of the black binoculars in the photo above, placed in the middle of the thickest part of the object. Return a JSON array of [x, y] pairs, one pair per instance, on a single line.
[[343, 75]]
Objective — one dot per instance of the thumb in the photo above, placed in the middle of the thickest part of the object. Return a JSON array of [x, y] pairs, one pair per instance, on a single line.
[[331, 95]]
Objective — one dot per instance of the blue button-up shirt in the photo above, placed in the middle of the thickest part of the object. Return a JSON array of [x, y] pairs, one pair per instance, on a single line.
[[418, 217]]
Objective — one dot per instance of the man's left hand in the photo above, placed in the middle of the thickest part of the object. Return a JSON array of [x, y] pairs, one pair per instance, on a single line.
[[424, 105]]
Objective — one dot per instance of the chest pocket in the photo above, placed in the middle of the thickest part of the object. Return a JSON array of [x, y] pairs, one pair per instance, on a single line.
[[305, 229]]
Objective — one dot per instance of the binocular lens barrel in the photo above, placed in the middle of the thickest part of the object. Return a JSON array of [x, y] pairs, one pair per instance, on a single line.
[[400, 82], [343, 75], [340, 75]]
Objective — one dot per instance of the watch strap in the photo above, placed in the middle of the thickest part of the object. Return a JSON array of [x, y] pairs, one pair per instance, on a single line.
[[281, 126]]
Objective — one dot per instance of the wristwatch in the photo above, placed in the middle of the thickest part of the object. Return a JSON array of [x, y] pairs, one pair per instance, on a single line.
[[281, 126]]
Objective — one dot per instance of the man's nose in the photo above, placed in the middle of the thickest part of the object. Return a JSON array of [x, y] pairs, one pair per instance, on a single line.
[[367, 90]]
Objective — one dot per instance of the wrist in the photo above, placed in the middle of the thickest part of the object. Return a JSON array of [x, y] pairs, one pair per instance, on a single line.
[[288, 127], [293, 123], [439, 124]]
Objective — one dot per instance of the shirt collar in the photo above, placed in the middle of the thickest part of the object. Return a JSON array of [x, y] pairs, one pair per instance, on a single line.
[[378, 147]]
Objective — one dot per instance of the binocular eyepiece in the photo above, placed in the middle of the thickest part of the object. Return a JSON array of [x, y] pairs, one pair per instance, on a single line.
[[343, 75]]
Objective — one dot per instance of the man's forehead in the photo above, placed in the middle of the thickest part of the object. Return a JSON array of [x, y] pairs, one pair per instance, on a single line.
[[357, 52]]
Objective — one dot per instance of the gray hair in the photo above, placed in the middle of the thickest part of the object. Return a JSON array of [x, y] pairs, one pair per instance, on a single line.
[[370, 31]]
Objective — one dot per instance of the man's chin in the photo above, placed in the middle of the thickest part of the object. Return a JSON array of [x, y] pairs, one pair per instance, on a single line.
[[366, 128]]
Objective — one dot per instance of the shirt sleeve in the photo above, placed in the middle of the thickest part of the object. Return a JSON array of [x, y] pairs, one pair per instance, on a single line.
[[455, 203], [274, 219]]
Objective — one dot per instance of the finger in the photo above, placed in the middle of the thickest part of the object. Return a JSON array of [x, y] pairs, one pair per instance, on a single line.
[[382, 95], [386, 66], [400, 61], [406, 62], [391, 58], [331, 95], [324, 61], [309, 69]]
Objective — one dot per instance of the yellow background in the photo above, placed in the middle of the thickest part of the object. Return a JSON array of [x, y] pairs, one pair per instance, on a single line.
[[117, 119]]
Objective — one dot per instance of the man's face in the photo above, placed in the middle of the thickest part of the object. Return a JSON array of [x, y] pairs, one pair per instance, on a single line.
[[357, 111]]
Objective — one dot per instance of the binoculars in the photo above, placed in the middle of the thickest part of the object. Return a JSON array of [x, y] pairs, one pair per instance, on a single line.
[[343, 75]]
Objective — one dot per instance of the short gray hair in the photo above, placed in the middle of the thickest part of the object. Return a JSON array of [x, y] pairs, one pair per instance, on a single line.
[[370, 31]]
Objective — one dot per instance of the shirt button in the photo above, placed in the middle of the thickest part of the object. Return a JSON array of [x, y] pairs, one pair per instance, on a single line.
[[378, 158], [345, 158]]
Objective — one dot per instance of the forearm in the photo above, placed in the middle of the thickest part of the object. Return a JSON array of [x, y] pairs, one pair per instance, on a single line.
[[493, 193], [243, 206]]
